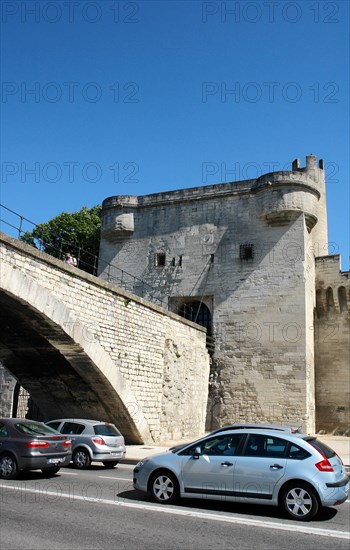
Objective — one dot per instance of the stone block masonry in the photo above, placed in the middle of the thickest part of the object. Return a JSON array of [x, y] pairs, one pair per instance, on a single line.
[[110, 352], [332, 346], [242, 256]]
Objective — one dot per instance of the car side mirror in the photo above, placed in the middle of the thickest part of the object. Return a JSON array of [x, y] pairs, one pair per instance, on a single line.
[[197, 453]]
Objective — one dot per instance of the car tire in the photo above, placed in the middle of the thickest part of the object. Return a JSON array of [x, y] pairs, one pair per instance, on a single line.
[[299, 500], [81, 459], [109, 464], [164, 487], [48, 472], [8, 467]]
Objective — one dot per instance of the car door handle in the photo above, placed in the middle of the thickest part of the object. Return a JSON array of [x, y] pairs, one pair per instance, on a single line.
[[226, 464], [276, 466]]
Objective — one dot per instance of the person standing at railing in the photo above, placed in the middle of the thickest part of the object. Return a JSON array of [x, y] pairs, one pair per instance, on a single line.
[[69, 259]]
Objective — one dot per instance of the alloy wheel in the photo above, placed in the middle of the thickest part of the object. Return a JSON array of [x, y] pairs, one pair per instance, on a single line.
[[300, 502], [8, 467], [81, 459], [163, 488]]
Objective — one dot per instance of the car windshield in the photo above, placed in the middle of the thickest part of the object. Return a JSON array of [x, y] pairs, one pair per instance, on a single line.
[[106, 429], [320, 446], [34, 428]]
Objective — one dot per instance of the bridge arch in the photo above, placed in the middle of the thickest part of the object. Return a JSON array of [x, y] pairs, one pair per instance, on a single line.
[[54, 355], [98, 349]]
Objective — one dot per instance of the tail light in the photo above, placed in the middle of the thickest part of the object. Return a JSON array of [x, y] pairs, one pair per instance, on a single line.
[[67, 443], [324, 466], [37, 444], [98, 440]]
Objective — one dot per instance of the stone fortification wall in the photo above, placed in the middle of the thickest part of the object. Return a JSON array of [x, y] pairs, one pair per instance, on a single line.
[[246, 250], [332, 345], [149, 354]]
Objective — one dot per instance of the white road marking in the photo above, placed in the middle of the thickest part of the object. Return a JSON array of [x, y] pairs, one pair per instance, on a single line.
[[117, 478], [198, 515], [68, 473]]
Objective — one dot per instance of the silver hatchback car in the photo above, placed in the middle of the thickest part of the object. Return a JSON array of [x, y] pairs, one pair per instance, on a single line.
[[251, 465], [91, 440]]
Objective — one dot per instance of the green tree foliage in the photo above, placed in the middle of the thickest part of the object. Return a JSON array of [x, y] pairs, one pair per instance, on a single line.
[[78, 233]]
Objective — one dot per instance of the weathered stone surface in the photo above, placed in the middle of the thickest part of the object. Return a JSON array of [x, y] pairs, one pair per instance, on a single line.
[[332, 346], [7, 386], [262, 305], [84, 347]]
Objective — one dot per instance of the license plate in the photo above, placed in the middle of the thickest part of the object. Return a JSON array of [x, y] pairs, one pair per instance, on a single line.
[[54, 460]]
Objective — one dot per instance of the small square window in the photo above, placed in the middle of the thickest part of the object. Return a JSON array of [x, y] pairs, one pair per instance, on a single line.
[[246, 251], [159, 259]]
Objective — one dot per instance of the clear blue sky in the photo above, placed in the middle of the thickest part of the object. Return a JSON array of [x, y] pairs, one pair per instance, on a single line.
[[104, 98]]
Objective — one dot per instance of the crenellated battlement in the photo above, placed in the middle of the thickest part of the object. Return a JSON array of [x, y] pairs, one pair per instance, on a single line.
[[277, 198], [332, 287]]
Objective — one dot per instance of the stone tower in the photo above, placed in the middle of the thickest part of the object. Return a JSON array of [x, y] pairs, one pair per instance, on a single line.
[[238, 258]]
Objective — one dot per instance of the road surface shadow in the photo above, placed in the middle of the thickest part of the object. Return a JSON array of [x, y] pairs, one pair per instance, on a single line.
[[265, 511]]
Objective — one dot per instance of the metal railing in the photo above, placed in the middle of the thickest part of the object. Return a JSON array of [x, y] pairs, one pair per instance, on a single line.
[[55, 245]]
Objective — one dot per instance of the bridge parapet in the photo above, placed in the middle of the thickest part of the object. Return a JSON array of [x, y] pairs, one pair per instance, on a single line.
[[83, 347]]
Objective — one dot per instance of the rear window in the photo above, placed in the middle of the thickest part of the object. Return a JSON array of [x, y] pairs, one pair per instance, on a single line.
[[320, 446], [106, 429], [34, 428]]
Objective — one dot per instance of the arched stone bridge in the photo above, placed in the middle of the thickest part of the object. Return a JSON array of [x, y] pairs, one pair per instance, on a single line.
[[85, 348]]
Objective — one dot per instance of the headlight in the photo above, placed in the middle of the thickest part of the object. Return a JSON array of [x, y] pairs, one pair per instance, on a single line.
[[141, 463]]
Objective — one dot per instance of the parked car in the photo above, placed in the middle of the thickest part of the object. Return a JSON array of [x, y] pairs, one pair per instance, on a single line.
[[91, 440], [250, 465], [30, 445]]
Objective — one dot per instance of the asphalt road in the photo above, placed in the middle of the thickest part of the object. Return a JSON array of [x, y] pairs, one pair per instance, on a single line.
[[98, 509]]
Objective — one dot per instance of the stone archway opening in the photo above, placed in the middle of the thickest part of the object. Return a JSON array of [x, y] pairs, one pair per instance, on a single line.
[[60, 377]]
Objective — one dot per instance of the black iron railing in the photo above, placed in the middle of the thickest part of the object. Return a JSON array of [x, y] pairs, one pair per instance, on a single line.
[[55, 245]]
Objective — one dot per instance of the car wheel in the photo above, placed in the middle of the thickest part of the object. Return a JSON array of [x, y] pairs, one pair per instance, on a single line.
[[48, 472], [110, 463], [81, 459], [8, 467], [299, 501], [164, 487]]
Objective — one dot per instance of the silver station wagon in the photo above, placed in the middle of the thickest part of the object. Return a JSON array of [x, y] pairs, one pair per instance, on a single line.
[[91, 440], [257, 465]]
